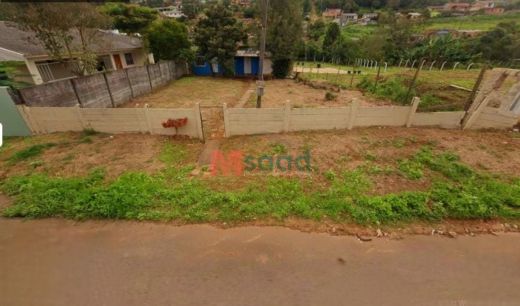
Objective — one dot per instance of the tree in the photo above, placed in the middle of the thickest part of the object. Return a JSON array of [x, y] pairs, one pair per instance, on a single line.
[[130, 18], [316, 29], [284, 33], [64, 29], [502, 44], [331, 37], [191, 8], [168, 40], [307, 7], [217, 36]]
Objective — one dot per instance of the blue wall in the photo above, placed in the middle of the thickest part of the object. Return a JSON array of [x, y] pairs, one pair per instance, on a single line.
[[239, 67], [202, 70]]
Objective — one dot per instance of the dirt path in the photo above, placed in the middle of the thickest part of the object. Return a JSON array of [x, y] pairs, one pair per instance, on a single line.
[[56, 262]]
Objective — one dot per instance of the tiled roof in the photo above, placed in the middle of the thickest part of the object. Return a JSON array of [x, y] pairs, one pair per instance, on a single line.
[[14, 39]]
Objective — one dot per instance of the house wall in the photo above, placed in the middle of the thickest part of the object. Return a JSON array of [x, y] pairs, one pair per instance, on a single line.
[[240, 68], [140, 58], [33, 71]]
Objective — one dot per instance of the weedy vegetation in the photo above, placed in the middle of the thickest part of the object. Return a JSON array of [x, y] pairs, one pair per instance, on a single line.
[[457, 192]]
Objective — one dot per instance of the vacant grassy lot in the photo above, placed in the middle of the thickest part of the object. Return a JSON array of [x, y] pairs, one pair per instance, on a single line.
[[383, 177], [434, 87], [478, 22], [186, 91]]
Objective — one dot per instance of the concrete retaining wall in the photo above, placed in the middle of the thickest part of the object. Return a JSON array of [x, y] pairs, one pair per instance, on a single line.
[[248, 121], [43, 120]]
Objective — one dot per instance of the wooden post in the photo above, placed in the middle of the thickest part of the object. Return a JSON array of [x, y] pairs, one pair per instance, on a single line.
[[378, 73], [227, 132], [287, 117], [198, 119], [413, 109], [147, 118], [412, 84], [353, 113], [109, 91]]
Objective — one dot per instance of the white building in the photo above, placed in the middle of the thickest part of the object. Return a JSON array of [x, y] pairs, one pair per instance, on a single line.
[[114, 51]]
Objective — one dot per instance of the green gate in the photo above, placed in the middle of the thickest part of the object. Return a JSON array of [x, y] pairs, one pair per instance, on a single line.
[[13, 123]]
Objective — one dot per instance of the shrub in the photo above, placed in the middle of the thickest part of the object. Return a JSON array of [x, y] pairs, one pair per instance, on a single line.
[[329, 96], [282, 68]]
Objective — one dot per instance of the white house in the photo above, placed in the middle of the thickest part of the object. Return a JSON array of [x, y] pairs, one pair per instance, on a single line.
[[114, 51], [170, 12]]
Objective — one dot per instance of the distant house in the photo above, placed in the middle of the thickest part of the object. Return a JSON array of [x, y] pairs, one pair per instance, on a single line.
[[457, 7], [369, 18], [247, 63], [244, 3], [170, 12], [114, 51], [482, 5], [332, 13], [494, 11], [414, 16], [347, 18]]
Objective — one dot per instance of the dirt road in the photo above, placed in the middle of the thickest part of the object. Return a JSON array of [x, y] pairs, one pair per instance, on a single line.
[[57, 262]]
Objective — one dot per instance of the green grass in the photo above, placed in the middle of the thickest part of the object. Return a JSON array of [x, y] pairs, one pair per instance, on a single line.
[[172, 154], [357, 32], [432, 86], [477, 22], [457, 192], [29, 152]]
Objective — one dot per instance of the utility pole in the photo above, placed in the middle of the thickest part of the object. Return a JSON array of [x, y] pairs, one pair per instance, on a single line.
[[260, 84]]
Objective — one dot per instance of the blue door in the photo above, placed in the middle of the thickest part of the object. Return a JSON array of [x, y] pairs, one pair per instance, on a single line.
[[255, 65], [239, 66]]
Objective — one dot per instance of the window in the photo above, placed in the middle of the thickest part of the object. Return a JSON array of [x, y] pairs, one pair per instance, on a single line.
[[129, 59], [200, 61]]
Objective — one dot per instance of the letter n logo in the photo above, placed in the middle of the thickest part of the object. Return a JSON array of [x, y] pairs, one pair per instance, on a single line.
[[227, 165]]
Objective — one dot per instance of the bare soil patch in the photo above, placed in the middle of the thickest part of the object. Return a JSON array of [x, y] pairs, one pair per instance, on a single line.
[[75, 155], [186, 91], [378, 151], [278, 92]]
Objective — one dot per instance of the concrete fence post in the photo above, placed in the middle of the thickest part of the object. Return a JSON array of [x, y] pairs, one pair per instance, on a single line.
[[29, 119], [109, 91], [287, 117], [227, 132], [413, 110], [198, 119], [147, 118], [129, 83], [149, 77], [442, 66], [472, 116], [73, 84], [431, 66], [84, 124], [354, 107]]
